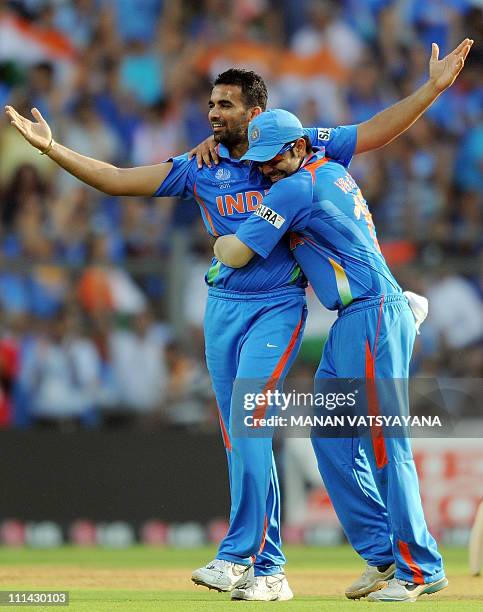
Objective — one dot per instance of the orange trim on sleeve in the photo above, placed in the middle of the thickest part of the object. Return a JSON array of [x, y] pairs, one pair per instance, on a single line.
[[205, 210], [314, 165]]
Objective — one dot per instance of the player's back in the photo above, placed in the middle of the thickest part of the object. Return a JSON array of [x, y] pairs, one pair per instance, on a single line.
[[338, 249]]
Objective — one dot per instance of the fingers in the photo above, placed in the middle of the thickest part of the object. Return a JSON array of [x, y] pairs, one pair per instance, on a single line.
[[202, 156], [205, 154], [466, 50], [19, 127], [459, 62], [36, 113], [434, 52], [16, 119], [467, 42], [214, 153], [12, 113]]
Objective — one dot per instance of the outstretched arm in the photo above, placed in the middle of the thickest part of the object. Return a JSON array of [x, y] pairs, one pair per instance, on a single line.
[[140, 181], [232, 252], [393, 121]]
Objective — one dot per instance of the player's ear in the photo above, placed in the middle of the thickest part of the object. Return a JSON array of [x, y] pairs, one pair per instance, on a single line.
[[254, 112], [301, 147]]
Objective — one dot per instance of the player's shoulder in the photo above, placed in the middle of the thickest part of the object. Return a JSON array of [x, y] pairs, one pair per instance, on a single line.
[[299, 183], [333, 179], [332, 167], [183, 160], [224, 170]]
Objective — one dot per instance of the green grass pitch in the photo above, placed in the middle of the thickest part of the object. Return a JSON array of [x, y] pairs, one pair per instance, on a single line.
[[145, 579]]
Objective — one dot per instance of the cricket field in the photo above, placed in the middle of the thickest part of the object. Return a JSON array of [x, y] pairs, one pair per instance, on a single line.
[[145, 579]]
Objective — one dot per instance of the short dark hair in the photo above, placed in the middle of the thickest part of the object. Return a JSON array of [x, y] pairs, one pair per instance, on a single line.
[[308, 144], [253, 88]]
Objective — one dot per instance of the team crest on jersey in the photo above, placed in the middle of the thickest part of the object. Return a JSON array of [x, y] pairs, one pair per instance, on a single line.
[[222, 174], [270, 215], [255, 134], [323, 133]]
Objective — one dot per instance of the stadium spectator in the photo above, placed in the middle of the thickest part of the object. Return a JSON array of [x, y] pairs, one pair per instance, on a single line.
[[189, 401], [60, 375], [139, 366]]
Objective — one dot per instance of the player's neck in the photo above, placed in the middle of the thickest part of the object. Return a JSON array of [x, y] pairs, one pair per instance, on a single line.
[[238, 150]]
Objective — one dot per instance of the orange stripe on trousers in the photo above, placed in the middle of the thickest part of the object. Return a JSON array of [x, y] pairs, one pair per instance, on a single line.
[[377, 434], [264, 536], [416, 571], [279, 368], [224, 433]]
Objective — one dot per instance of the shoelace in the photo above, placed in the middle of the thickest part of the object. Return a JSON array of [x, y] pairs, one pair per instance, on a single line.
[[269, 581], [218, 564]]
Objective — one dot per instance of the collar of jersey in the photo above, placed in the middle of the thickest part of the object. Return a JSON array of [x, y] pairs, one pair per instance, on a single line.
[[223, 152], [310, 156]]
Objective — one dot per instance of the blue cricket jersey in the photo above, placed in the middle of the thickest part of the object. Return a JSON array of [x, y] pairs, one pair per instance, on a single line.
[[229, 193], [333, 237]]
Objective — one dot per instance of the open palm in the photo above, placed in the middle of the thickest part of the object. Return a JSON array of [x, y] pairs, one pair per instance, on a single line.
[[444, 71], [37, 132]]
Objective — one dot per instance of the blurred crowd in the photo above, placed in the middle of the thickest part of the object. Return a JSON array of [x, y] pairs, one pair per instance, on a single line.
[[91, 334]]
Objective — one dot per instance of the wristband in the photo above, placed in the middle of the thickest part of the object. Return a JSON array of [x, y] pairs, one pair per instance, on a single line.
[[49, 147]]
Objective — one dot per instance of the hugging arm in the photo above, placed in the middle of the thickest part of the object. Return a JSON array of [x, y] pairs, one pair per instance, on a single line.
[[232, 252]]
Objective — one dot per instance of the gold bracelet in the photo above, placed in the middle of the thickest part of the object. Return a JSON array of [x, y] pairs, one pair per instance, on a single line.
[[49, 146]]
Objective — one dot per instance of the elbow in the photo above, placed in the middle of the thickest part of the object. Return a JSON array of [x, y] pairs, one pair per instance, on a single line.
[[235, 262], [239, 260], [231, 260], [113, 182], [226, 260], [227, 250], [111, 191]]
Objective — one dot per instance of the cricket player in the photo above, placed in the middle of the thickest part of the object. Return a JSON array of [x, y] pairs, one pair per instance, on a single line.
[[335, 243], [255, 315]]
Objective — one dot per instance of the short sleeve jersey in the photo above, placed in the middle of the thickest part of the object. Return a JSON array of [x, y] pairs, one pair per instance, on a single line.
[[332, 234], [230, 192]]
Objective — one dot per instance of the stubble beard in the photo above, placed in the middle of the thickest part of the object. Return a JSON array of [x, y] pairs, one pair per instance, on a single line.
[[232, 138]]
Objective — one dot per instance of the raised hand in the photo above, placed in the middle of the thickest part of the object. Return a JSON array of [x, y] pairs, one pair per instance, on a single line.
[[443, 72], [37, 132]]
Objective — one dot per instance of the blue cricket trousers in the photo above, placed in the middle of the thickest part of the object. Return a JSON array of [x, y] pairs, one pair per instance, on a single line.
[[255, 337], [373, 339]]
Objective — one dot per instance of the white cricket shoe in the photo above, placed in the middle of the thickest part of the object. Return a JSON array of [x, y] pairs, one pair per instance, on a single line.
[[401, 590], [222, 575], [265, 588], [371, 580]]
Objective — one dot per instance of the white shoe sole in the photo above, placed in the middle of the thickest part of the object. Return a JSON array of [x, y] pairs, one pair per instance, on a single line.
[[377, 586], [200, 582], [428, 589], [239, 595], [203, 580]]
